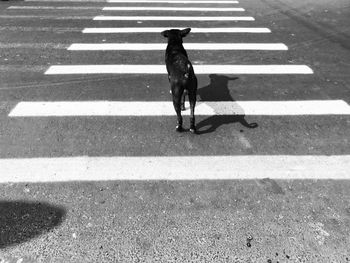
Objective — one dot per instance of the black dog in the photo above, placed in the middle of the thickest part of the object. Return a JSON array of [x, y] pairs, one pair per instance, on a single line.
[[181, 75]]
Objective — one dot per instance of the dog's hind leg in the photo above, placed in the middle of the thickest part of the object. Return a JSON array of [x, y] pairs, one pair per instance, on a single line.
[[192, 99], [183, 98], [177, 97]]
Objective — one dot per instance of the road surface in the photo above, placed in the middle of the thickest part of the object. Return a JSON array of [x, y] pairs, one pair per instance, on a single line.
[[92, 170]]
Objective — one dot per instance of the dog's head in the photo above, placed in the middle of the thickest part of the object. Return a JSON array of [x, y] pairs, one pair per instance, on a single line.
[[176, 35]]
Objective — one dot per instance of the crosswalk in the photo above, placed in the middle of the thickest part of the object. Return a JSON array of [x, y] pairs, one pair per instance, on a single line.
[[174, 18], [160, 69], [165, 108], [189, 46], [211, 30], [167, 168], [205, 167]]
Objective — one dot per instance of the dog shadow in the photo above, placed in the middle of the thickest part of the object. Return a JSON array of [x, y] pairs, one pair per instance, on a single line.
[[218, 90]]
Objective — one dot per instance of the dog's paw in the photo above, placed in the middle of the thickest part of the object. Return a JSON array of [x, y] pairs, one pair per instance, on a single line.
[[179, 128], [193, 130]]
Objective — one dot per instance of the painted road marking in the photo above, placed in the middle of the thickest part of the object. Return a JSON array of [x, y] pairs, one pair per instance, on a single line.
[[165, 108], [99, 1], [188, 46], [176, 18], [176, 1], [131, 8], [186, 9], [53, 17], [145, 1], [56, 7], [285, 167], [193, 30], [160, 69]]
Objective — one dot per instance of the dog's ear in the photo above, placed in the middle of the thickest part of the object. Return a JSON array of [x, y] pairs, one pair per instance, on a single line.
[[184, 32], [165, 33]]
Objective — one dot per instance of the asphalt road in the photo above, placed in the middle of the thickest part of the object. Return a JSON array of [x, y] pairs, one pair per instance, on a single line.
[[262, 219]]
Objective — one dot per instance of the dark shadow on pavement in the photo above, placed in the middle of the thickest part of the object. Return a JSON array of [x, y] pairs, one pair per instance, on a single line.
[[218, 90], [21, 220]]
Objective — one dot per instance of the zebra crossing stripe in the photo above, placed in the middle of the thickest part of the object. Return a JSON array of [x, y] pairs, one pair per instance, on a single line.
[[188, 46], [53, 1], [176, 1], [185, 9], [160, 29], [84, 168], [132, 8], [165, 108], [57, 7], [160, 69], [175, 18], [48, 17], [145, 1]]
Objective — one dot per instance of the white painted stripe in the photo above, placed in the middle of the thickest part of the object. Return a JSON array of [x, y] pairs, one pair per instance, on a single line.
[[188, 46], [176, 18], [144, 1], [41, 17], [56, 7], [285, 167], [175, 1], [52, 1], [165, 108], [160, 69], [184, 9], [193, 30]]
